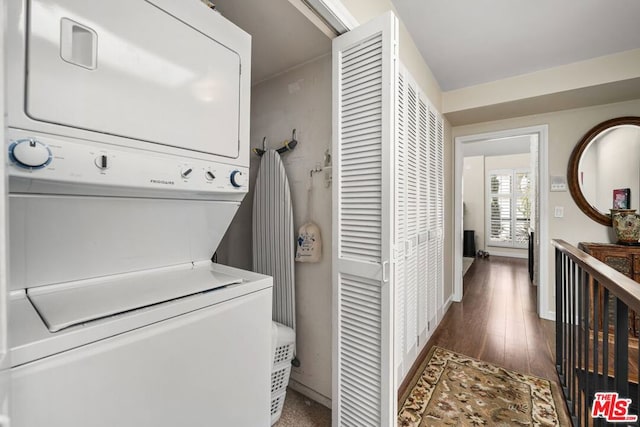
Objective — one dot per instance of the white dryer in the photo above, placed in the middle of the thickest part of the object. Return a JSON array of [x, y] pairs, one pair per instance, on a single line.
[[128, 147]]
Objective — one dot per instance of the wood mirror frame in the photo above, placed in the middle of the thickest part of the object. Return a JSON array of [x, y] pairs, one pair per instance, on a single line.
[[574, 161]]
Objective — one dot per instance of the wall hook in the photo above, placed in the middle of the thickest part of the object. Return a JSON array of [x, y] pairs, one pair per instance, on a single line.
[[289, 145], [259, 151]]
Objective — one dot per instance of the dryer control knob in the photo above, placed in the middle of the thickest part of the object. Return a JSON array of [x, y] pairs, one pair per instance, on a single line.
[[103, 162], [30, 154], [186, 172], [238, 179]]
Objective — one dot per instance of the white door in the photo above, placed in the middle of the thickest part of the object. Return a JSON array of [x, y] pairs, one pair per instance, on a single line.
[[364, 85], [4, 349]]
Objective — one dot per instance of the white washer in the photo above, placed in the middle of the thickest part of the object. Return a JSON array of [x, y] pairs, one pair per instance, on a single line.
[[198, 360], [128, 143]]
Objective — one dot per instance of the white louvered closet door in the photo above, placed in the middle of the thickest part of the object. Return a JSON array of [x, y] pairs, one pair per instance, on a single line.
[[424, 326], [440, 213], [432, 252], [411, 243], [364, 84], [408, 181], [400, 226]]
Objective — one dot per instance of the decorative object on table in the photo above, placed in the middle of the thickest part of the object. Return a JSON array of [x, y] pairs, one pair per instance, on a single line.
[[454, 389], [622, 198], [626, 223]]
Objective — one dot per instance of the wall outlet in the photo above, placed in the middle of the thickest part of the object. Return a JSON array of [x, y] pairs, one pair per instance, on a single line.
[[558, 212]]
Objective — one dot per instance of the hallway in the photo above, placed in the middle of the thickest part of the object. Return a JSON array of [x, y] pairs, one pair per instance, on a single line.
[[496, 320]]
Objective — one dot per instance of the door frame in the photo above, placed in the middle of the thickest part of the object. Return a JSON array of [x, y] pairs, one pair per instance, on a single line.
[[542, 186]]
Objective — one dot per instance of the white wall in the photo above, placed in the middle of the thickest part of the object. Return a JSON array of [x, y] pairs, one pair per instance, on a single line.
[[366, 10], [300, 99], [473, 198], [594, 81], [566, 128]]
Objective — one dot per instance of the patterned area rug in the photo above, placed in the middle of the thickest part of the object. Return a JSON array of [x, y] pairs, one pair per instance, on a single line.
[[454, 389]]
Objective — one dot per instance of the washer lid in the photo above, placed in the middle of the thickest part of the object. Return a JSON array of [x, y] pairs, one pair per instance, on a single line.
[[63, 305]]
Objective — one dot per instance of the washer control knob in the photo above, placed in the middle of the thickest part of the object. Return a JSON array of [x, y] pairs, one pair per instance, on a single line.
[[186, 172], [103, 162], [30, 154], [238, 179], [209, 175]]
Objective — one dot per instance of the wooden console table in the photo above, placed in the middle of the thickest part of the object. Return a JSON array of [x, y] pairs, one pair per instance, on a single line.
[[625, 259]]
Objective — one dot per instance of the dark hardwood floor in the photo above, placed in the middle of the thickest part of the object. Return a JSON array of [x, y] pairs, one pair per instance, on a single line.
[[496, 321]]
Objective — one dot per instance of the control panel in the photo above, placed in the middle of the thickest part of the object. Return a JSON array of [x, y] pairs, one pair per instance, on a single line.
[[29, 153], [51, 158]]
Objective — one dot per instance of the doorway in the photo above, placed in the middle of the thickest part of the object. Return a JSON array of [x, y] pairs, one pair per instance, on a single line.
[[537, 137]]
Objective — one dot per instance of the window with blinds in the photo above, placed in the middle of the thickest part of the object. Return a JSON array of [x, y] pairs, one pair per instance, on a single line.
[[509, 207]]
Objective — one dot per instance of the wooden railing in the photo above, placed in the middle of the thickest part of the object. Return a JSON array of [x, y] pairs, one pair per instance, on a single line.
[[594, 350]]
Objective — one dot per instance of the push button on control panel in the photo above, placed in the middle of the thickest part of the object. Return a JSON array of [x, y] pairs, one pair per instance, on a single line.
[[30, 154]]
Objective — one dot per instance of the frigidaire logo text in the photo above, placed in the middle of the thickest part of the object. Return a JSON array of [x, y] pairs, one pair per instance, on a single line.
[[162, 181]]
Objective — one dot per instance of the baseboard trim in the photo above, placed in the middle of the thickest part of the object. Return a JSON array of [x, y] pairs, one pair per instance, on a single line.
[[549, 315], [448, 303], [420, 360], [406, 382], [310, 393], [496, 252]]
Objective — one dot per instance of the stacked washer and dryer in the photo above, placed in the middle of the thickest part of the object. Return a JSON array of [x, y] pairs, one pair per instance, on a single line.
[[128, 143]]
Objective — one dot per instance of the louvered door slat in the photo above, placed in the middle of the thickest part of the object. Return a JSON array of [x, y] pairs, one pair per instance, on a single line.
[[411, 277], [364, 91], [423, 220], [440, 213], [432, 253], [357, 358], [400, 226]]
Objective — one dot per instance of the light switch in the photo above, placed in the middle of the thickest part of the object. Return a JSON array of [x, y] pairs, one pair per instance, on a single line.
[[558, 183], [558, 212]]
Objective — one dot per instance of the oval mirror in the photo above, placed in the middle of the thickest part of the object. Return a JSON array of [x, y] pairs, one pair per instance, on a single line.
[[605, 165]]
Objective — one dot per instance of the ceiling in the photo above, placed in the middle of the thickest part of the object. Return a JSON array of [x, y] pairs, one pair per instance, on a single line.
[[467, 43], [282, 37]]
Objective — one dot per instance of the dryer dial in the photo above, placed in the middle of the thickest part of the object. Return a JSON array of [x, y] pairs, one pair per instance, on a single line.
[[30, 154], [186, 171], [238, 179]]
